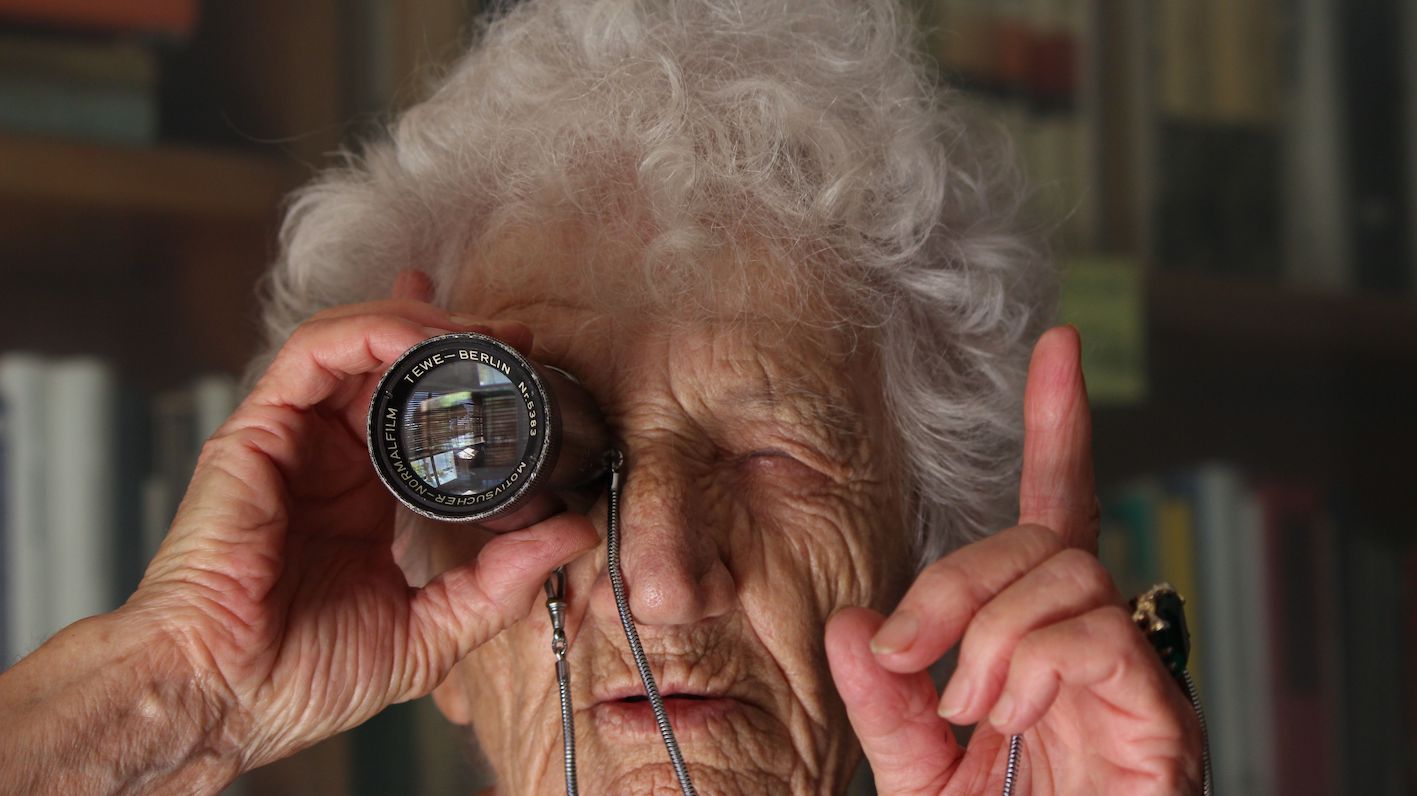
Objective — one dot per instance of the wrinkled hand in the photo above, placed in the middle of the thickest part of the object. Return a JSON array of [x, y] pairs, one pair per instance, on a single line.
[[1046, 647], [277, 580]]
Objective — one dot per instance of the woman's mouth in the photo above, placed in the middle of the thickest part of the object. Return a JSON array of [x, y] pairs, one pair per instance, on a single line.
[[688, 713]]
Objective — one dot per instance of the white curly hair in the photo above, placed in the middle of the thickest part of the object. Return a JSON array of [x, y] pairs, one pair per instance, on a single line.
[[812, 130]]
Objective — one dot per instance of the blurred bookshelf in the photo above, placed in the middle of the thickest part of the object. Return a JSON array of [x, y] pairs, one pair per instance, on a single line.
[[1229, 186], [1233, 192], [1281, 380], [146, 151]]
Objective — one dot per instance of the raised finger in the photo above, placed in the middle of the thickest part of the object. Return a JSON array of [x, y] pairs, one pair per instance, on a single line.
[[325, 355], [1070, 583], [1057, 489], [934, 613], [910, 748]]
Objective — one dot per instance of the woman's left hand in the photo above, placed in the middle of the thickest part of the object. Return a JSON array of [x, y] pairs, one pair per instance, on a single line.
[[1046, 646]]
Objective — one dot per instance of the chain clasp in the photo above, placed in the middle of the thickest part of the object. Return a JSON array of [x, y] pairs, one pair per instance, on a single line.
[[556, 608]]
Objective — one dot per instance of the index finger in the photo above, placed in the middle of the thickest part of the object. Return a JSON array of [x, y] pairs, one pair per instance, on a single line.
[[417, 310], [322, 355], [1057, 489]]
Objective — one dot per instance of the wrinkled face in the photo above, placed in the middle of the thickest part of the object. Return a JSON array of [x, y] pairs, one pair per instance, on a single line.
[[761, 495]]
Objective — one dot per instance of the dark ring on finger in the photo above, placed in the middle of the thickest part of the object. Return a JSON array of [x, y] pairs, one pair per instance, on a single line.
[[1159, 612]]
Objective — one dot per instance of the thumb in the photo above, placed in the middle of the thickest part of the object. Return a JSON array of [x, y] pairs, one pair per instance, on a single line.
[[465, 606], [911, 749]]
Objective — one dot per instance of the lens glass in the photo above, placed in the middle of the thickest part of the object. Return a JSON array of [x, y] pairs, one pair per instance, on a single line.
[[464, 428]]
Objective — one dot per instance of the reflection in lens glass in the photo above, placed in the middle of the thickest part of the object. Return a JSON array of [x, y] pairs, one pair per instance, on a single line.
[[464, 428]]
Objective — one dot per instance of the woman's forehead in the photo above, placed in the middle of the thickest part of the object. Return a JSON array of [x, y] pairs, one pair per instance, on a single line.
[[758, 362], [611, 270]]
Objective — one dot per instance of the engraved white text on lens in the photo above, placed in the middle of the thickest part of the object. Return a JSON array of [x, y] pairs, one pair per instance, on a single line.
[[530, 408], [463, 353]]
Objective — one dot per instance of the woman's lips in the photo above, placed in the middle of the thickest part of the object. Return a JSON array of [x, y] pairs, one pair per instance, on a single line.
[[688, 713]]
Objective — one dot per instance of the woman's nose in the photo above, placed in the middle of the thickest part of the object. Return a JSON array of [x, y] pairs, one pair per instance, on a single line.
[[670, 547]]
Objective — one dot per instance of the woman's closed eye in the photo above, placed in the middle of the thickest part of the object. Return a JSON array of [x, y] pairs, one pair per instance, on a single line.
[[778, 464]]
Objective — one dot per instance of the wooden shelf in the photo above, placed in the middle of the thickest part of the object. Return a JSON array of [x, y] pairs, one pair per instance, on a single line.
[[1281, 381], [1254, 316], [167, 180]]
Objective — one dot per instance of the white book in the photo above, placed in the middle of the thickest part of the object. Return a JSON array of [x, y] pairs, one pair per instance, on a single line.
[[1218, 499], [183, 419], [23, 379], [214, 398], [81, 474]]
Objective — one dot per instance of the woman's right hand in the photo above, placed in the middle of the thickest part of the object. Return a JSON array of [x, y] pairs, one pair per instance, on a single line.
[[277, 581]]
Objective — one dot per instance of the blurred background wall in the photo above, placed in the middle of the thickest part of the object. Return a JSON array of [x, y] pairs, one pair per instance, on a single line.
[[1228, 183]]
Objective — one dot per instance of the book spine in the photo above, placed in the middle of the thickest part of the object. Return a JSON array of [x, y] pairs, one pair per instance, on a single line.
[[41, 106], [1409, 77], [1375, 759], [1183, 76], [82, 437], [214, 398], [1316, 240], [1244, 58], [1377, 206], [23, 379], [1251, 577], [173, 458], [124, 63], [134, 464], [1176, 544], [1302, 635], [1217, 496], [1134, 508]]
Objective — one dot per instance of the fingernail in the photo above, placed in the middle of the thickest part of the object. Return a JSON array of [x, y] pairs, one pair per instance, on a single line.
[[1003, 711], [954, 701], [466, 320], [896, 634]]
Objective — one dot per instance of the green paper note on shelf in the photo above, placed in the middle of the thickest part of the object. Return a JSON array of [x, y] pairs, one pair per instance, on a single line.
[[1104, 297]]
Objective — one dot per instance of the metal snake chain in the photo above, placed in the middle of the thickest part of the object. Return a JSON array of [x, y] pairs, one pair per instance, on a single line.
[[1016, 742], [556, 605], [1195, 697]]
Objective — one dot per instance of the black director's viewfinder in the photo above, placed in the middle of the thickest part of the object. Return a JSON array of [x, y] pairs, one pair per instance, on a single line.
[[464, 428]]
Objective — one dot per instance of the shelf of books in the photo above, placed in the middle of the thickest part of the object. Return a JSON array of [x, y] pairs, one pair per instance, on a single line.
[[1235, 188], [89, 93], [145, 151]]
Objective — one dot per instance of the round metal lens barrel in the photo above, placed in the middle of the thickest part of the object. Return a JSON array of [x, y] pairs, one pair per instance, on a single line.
[[464, 428]]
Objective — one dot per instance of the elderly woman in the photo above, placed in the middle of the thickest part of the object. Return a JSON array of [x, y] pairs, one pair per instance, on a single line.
[[763, 241]]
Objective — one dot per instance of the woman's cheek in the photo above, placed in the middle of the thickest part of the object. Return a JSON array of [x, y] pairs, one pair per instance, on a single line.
[[818, 529]]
